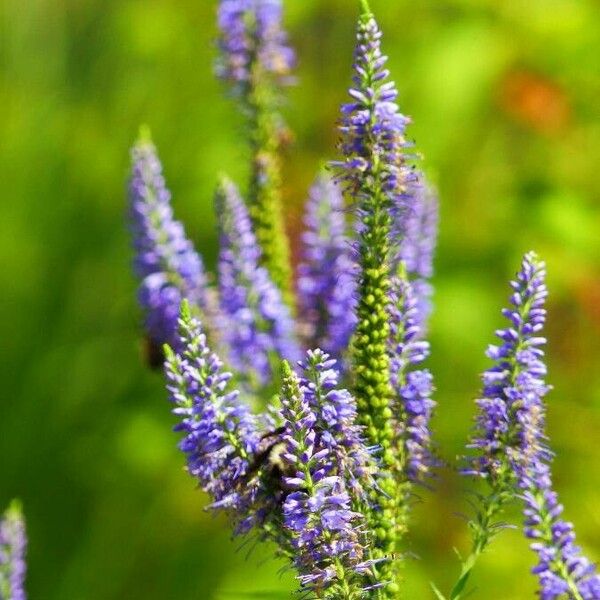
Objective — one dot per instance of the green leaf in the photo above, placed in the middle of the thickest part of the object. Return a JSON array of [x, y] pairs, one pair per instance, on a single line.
[[437, 592], [460, 585]]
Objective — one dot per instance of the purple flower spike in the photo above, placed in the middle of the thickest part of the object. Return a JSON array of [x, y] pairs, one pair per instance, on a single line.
[[325, 531], [414, 387], [562, 569], [326, 276], [417, 229], [257, 326], [220, 434], [511, 438], [336, 413], [13, 543], [372, 125], [251, 33], [166, 262], [517, 376]]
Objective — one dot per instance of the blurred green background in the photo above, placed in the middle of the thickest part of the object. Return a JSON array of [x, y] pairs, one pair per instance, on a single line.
[[504, 96]]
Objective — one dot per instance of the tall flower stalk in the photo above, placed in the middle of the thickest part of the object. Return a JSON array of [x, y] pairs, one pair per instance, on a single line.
[[496, 440], [375, 174], [13, 542], [256, 62], [511, 453]]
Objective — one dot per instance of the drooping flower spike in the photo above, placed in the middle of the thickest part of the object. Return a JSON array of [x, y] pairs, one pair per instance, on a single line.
[[13, 543], [169, 268], [221, 436], [257, 327], [512, 454], [327, 273]]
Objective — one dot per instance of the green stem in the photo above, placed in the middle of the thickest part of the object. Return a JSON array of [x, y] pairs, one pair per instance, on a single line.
[[484, 530], [264, 200], [371, 362]]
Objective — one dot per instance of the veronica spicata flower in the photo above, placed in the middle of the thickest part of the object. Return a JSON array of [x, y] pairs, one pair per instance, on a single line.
[[327, 273], [166, 262], [12, 554], [416, 226], [511, 439], [220, 434], [251, 31], [375, 173], [516, 379], [562, 569], [413, 386], [257, 326], [325, 531], [335, 410]]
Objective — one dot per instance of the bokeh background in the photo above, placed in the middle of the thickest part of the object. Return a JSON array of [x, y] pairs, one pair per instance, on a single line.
[[504, 96]]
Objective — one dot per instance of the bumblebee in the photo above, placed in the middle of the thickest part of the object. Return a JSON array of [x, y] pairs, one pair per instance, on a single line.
[[268, 459], [153, 353]]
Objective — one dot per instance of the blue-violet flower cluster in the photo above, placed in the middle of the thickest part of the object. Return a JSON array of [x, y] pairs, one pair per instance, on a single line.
[[511, 439], [169, 268], [251, 33], [220, 433], [305, 407], [256, 324], [373, 129], [416, 226], [327, 273], [327, 534], [413, 386]]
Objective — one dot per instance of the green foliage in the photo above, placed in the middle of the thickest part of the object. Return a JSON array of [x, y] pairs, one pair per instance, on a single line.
[[84, 434]]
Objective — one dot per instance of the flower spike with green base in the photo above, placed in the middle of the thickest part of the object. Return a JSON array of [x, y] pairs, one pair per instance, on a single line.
[[256, 61], [376, 176], [511, 453]]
